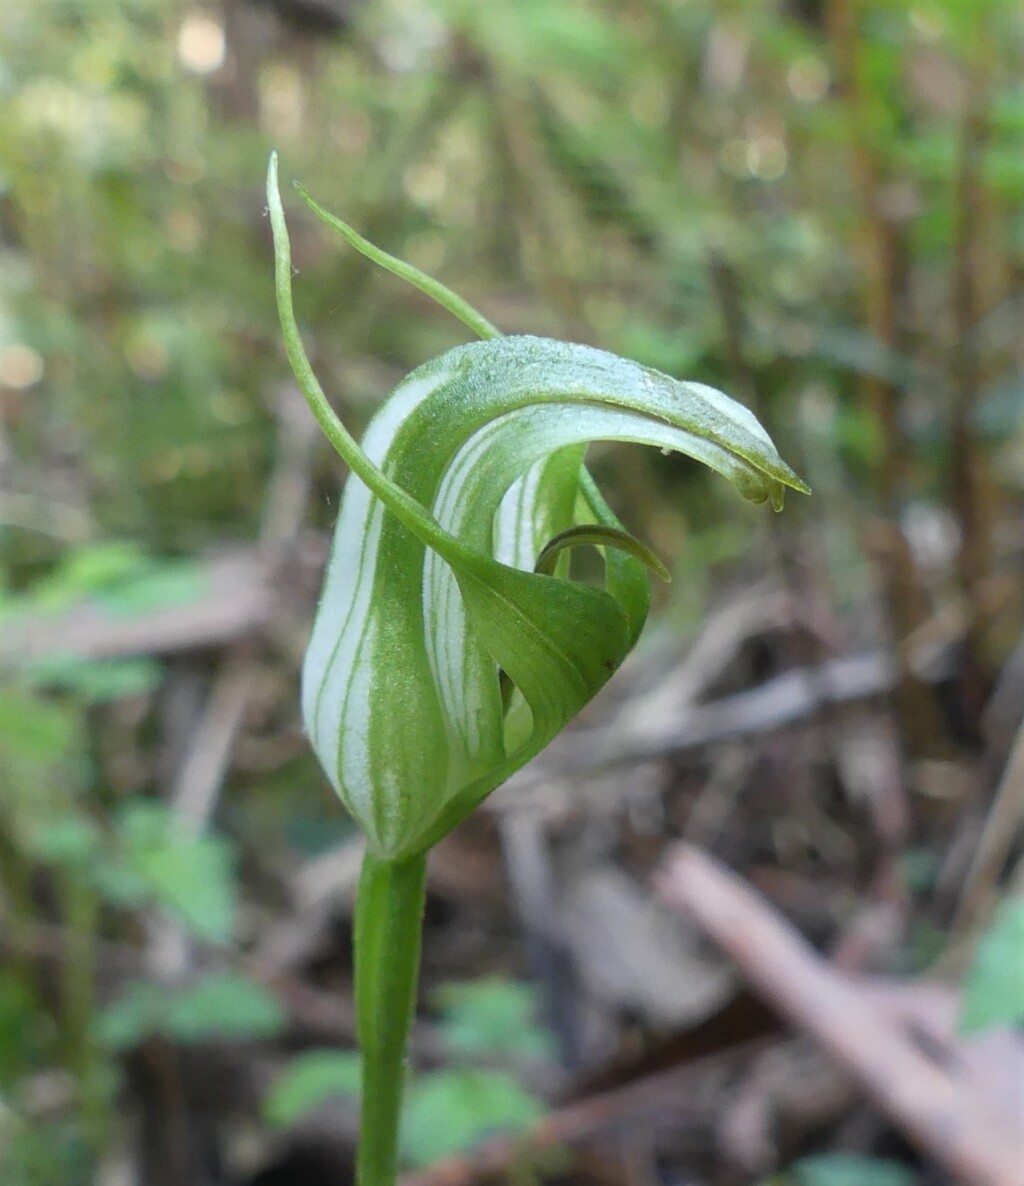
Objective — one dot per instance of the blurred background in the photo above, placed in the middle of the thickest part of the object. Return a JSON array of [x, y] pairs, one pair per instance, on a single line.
[[815, 205]]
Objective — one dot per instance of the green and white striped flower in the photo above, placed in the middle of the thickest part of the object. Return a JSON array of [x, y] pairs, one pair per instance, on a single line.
[[450, 646]]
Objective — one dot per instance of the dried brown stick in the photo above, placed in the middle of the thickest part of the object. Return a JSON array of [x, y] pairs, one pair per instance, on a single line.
[[966, 849], [925, 1100], [291, 480], [785, 700], [238, 599], [531, 879], [967, 466], [201, 775], [234, 597], [883, 255], [1002, 826]]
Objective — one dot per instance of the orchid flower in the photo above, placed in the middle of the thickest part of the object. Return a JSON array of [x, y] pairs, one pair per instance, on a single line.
[[450, 644]]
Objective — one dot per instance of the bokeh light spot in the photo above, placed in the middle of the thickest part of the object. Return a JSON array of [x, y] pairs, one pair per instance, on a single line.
[[20, 366], [808, 80], [201, 43]]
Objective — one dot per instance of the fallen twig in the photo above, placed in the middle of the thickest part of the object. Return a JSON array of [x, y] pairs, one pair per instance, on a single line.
[[935, 1110], [234, 598], [785, 700], [1002, 826]]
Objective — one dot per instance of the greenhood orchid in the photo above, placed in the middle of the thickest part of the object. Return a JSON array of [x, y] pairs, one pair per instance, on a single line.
[[450, 645]]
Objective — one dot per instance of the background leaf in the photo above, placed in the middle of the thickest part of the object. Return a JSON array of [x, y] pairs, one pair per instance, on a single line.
[[191, 876], [850, 1169], [994, 990], [493, 1016], [449, 1112], [221, 1005], [308, 1081]]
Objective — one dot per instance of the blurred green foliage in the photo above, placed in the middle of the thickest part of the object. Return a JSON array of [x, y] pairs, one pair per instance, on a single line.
[[847, 1169], [492, 1016], [218, 1005], [994, 990], [309, 1080], [451, 1109]]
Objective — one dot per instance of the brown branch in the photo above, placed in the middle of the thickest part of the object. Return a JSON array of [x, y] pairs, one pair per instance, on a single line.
[[788, 699], [947, 1121], [239, 593], [234, 598], [880, 243], [1002, 827], [884, 252], [965, 465]]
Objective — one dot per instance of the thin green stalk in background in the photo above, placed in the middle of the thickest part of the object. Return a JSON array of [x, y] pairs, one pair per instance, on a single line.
[[81, 915]]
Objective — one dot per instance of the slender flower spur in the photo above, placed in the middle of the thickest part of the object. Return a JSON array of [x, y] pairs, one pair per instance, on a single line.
[[450, 645]]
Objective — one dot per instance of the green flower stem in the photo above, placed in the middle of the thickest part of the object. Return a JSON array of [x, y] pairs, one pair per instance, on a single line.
[[389, 917]]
